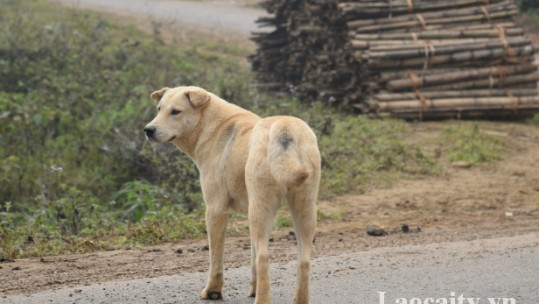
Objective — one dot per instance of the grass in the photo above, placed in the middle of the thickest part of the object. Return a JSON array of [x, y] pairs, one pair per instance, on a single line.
[[329, 216], [532, 16], [283, 221], [77, 174], [368, 154], [465, 142]]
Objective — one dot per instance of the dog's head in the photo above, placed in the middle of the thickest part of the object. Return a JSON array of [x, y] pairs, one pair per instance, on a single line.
[[179, 111]]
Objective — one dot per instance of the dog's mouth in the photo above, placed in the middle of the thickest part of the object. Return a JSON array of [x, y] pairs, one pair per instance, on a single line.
[[152, 138]]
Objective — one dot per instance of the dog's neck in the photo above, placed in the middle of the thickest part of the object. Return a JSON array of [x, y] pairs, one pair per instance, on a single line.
[[196, 145], [188, 144]]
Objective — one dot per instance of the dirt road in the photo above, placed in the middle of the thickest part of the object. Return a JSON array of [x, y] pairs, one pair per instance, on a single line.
[[219, 17], [496, 268]]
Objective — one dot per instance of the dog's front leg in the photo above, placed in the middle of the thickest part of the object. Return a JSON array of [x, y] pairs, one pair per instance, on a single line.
[[216, 219]]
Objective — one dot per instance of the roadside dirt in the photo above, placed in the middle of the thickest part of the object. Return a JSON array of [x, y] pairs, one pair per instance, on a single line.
[[500, 199]]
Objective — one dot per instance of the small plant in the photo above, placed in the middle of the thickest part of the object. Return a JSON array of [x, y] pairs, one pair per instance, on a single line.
[[331, 216], [283, 221], [465, 142]]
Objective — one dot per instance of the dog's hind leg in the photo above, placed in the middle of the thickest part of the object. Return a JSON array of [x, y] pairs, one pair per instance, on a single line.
[[302, 202], [261, 215], [216, 219], [264, 202]]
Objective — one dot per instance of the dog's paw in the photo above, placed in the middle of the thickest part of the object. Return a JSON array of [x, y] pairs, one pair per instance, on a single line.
[[211, 295], [252, 292]]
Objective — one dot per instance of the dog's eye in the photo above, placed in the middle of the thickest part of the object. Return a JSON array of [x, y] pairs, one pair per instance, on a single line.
[[175, 112]]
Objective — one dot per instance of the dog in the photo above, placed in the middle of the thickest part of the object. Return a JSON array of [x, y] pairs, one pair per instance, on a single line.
[[246, 163]]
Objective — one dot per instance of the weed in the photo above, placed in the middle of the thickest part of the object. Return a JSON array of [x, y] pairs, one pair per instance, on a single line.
[[283, 221], [329, 216], [466, 142]]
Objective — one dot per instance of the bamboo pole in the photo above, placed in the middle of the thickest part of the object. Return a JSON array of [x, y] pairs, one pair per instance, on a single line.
[[404, 7], [386, 96], [487, 108], [506, 24], [431, 49], [506, 5], [429, 80], [488, 33], [470, 113], [460, 57], [511, 81], [421, 22], [514, 102], [388, 45]]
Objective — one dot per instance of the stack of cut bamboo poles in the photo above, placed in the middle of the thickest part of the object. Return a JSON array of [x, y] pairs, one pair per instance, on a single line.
[[414, 59], [305, 51]]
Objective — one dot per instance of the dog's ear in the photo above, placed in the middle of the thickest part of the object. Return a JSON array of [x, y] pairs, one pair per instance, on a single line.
[[197, 97], [157, 95]]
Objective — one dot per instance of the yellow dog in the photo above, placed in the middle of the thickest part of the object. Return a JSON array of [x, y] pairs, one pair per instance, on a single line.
[[245, 163]]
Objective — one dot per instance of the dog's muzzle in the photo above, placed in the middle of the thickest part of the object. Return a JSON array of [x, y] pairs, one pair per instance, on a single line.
[[149, 131]]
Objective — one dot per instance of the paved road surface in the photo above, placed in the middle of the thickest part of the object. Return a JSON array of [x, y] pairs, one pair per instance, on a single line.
[[210, 15], [496, 268]]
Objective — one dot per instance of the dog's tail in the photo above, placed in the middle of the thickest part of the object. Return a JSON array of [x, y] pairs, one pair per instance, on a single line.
[[290, 151]]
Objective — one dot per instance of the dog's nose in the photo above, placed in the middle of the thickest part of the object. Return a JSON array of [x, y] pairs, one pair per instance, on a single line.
[[149, 130]]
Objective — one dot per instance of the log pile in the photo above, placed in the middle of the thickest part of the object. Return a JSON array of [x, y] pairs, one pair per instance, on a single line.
[[413, 59], [305, 52]]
